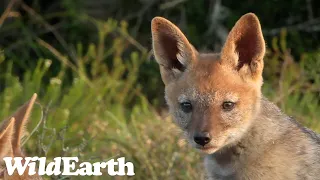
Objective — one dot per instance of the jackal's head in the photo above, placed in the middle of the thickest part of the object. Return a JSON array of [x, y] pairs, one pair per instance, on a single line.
[[213, 97], [11, 132]]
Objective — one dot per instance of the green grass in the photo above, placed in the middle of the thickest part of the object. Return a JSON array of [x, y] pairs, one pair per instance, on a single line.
[[95, 107], [101, 114]]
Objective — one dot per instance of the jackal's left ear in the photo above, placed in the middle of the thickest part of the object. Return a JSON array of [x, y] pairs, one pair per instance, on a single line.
[[171, 48], [21, 117], [245, 47]]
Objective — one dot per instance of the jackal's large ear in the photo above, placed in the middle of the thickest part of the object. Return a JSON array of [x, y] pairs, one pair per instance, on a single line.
[[21, 118], [245, 47], [171, 48], [6, 134]]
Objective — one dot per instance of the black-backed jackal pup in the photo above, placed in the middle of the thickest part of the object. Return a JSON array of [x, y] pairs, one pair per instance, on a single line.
[[216, 100], [11, 132]]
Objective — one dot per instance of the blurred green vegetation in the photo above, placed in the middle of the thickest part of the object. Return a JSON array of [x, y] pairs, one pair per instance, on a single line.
[[100, 92]]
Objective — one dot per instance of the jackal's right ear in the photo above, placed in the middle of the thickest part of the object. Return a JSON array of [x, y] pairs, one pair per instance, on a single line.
[[6, 133], [171, 49]]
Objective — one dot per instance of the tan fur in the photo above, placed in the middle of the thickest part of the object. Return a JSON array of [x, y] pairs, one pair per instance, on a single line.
[[254, 140], [11, 132], [6, 132]]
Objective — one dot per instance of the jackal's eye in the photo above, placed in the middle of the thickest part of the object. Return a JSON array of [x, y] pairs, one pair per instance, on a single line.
[[228, 105], [186, 107]]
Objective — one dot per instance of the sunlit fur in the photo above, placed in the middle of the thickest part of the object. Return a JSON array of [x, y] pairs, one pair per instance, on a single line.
[[254, 140]]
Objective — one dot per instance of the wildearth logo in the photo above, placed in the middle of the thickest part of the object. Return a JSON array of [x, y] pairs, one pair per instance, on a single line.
[[67, 166]]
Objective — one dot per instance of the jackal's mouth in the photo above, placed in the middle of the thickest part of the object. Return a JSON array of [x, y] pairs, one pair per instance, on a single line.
[[208, 149]]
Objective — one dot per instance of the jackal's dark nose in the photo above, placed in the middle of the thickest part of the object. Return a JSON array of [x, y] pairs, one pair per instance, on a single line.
[[202, 138]]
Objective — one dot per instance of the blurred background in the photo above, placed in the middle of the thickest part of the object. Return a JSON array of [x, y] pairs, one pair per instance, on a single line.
[[100, 91]]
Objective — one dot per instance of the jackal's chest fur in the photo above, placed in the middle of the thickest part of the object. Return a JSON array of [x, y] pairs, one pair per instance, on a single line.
[[216, 170]]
